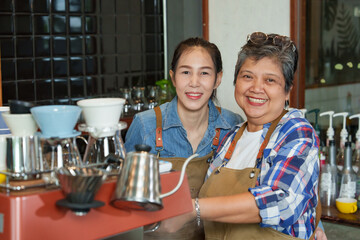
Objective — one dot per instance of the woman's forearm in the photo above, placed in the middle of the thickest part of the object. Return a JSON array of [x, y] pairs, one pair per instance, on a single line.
[[240, 208]]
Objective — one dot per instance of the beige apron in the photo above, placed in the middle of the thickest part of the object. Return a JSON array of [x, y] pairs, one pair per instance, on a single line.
[[196, 172], [225, 182]]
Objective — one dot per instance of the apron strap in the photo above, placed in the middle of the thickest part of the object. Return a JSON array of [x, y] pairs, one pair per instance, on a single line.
[[216, 139], [232, 146], [158, 138], [268, 135]]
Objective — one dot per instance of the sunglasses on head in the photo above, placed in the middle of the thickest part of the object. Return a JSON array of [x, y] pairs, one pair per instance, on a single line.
[[258, 38]]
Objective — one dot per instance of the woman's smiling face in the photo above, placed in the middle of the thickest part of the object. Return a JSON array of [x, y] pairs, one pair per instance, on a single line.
[[195, 79], [260, 91]]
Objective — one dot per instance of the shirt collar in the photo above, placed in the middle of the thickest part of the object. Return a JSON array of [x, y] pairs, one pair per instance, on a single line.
[[294, 113], [171, 117]]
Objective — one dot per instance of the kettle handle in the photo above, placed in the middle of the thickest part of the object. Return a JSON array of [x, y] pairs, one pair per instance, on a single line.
[[181, 176]]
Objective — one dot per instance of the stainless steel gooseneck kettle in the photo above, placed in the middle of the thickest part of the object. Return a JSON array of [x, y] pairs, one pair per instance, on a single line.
[[138, 186]]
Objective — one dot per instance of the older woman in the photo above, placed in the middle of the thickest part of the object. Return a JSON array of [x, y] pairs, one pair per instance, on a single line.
[[263, 181]]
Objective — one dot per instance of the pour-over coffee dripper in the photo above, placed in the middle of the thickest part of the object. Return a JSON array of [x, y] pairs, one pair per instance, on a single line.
[[57, 121], [102, 117], [20, 124], [58, 137], [80, 185]]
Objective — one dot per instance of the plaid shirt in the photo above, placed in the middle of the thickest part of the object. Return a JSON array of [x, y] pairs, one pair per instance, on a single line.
[[287, 186]]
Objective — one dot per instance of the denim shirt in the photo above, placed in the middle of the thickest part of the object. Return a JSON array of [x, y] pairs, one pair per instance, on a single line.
[[176, 144]]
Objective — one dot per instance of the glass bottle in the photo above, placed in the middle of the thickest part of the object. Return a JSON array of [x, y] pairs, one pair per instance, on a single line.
[[341, 155], [153, 98], [128, 106], [323, 155], [348, 175], [358, 186], [356, 156], [328, 179], [140, 103]]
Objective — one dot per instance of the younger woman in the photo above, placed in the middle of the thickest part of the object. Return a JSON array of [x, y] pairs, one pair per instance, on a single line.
[[190, 123]]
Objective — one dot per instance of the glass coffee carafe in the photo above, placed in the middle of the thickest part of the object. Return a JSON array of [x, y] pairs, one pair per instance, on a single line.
[[128, 109], [153, 96], [102, 122], [140, 101], [105, 148]]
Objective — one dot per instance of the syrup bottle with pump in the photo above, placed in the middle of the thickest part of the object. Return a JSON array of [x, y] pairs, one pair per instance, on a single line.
[[329, 178], [356, 159], [356, 152], [343, 138], [329, 174], [348, 175]]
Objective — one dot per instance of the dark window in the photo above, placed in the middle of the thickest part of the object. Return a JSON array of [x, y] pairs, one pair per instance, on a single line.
[[59, 51]]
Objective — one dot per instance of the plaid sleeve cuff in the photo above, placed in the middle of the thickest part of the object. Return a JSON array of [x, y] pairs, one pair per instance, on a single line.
[[267, 201]]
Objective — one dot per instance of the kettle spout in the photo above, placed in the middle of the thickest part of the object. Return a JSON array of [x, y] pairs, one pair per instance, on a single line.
[[182, 174]]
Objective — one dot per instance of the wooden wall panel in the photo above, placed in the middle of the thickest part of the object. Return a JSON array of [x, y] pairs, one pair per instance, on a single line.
[[0, 81], [205, 16], [298, 35]]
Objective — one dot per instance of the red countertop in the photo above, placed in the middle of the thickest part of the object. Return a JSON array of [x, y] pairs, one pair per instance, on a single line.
[[35, 216]]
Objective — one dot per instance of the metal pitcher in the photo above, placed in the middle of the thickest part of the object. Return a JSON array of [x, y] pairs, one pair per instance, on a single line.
[[138, 186], [22, 158]]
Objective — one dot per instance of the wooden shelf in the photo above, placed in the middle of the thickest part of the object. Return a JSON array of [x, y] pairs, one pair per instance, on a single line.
[[331, 214]]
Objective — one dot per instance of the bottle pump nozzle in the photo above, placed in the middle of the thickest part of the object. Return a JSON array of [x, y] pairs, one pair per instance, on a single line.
[[358, 131], [330, 132], [344, 133], [316, 125]]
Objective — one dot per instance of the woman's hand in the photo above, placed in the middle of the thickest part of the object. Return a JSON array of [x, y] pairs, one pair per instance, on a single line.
[[320, 234], [174, 224]]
